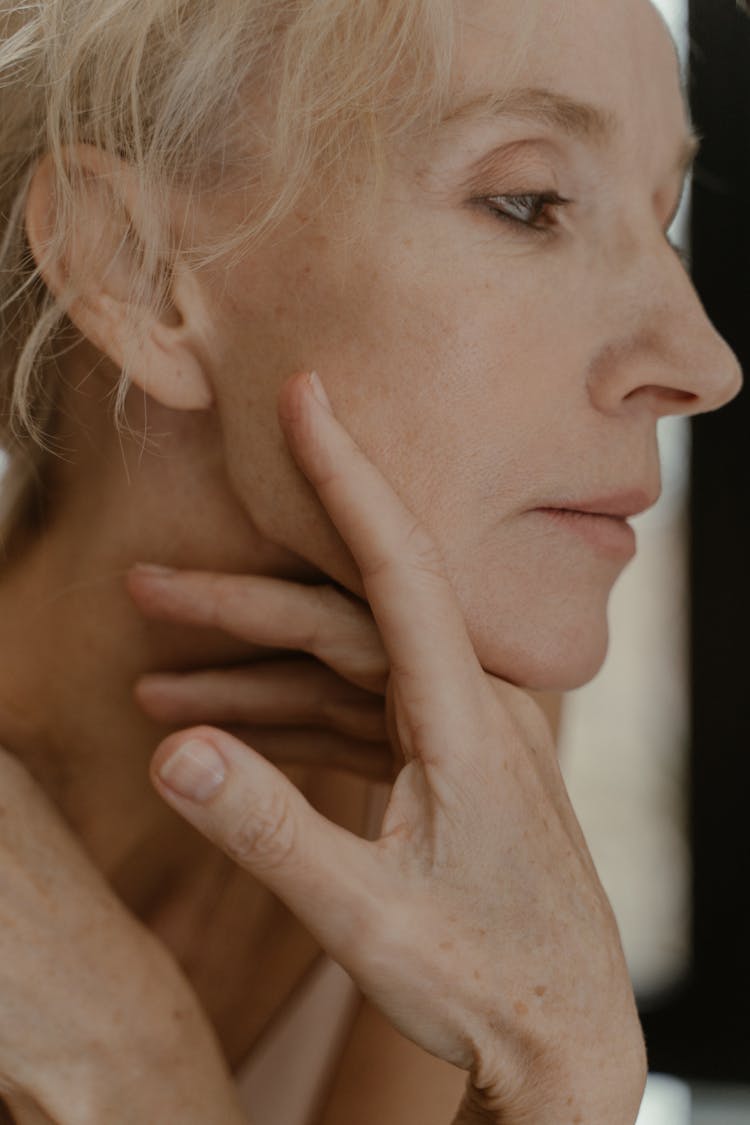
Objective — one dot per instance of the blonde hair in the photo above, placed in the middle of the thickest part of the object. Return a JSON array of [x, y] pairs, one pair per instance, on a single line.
[[194, 96]]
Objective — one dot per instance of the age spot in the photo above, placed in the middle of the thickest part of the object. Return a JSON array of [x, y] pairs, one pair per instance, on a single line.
[[540, 990]]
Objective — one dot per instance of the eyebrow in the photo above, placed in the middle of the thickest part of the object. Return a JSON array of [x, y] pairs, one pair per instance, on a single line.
[[591, 123], [545, 106]]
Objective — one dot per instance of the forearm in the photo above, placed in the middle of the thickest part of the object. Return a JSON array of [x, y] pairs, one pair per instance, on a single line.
[[165, 1070], [167, 1104]]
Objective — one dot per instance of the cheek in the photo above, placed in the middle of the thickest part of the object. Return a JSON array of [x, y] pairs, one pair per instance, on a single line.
[[459, 390]]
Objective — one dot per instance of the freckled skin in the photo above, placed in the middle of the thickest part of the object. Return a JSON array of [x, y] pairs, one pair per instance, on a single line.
[[486, 368]]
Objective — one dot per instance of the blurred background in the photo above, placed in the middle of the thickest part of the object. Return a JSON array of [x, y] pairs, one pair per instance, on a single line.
[[655, 750]]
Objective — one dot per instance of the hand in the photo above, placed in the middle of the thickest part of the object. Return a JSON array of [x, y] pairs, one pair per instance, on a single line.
[[327, 710], [96, 1022], [476, 922]]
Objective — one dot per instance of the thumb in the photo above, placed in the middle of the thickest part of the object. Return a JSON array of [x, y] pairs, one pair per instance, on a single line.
[[250, 810]]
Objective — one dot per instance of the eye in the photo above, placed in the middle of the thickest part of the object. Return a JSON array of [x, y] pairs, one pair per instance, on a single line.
[[533, 210]]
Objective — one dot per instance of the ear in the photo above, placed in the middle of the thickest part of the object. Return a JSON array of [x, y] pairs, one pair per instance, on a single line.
[[93, 275]]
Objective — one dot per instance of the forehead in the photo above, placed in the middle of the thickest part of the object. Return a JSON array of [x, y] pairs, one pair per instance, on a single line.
[[615, 55]]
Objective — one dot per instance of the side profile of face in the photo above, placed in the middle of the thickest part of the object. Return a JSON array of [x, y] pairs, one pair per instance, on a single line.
[[503, 337]]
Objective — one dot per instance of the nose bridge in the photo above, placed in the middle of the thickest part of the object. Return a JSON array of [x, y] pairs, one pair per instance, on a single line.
[[666, 346]]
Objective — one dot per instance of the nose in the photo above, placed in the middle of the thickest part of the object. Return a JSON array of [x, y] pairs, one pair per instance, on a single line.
[[670, 359]]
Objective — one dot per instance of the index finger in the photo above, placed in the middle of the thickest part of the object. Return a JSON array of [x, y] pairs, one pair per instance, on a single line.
[[412, 600]]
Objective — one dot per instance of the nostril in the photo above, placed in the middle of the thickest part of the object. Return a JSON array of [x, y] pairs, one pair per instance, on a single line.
[[672, 395]]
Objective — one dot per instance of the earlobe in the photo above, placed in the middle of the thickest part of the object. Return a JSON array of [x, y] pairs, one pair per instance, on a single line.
[[170, 369], [93, 273]]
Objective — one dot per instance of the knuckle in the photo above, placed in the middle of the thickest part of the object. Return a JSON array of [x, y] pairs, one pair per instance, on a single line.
[[266, 835], [424, 552], [417, 550]]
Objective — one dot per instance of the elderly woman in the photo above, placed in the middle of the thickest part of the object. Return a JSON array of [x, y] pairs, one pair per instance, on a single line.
[[455, 212]]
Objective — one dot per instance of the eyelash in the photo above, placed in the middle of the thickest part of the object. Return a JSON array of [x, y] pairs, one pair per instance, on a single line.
[[543, 205]]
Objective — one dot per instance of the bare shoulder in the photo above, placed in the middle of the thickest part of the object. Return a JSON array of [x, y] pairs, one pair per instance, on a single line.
[[385, 1079]]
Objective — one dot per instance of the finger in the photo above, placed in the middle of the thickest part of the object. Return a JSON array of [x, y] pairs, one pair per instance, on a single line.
[[281, 692], [327, 876], [333, 626], [417, 612], [321, 749]]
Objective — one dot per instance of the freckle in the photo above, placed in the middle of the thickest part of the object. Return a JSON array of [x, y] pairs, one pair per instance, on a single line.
[[482, 933], [408, 242], [446, 945], [506, 767], [477, 975], [570, 1100], [540, 990], [577, 1119], [279, 310], [520, 1008], [306, 271]]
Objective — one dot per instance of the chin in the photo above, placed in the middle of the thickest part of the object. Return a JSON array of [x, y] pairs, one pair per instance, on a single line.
[[550, 655]]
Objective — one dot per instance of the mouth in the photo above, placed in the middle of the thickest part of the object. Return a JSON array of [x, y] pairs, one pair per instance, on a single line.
[[611, 536], [602, 522]]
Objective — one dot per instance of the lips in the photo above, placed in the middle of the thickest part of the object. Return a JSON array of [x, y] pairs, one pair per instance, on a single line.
[[601, 522], [617, 505]]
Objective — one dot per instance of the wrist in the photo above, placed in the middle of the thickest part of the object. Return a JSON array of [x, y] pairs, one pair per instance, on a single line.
[[561, 1084]]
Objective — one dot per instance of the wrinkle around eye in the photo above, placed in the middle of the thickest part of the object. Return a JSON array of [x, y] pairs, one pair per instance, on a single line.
[[508, 163]]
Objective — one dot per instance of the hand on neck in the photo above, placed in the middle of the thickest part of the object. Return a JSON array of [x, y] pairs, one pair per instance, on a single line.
[[72, 642]]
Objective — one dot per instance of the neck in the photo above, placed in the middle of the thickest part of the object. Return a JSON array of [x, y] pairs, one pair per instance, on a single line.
[[73, 644]]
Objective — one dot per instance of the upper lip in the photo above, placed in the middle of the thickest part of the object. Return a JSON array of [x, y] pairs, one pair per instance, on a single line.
[[620, 505]]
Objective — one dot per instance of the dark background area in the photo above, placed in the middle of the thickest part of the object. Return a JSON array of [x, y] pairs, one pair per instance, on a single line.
[[701, 1030]]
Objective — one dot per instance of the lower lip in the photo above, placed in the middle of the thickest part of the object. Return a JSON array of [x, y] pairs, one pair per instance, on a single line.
[[611, 535]]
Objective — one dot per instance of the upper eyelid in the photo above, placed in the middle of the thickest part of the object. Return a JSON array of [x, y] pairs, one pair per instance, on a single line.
[[512, 159]]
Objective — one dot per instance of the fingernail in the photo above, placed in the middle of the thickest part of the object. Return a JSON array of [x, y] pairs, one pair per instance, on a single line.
[[154, 569], [194, 771], [319, 391]]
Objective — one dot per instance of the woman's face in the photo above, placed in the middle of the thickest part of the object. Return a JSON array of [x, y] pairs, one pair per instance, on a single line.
[[498, 352]]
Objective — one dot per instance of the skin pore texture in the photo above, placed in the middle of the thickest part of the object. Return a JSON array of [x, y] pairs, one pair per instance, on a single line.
[[490, 367]]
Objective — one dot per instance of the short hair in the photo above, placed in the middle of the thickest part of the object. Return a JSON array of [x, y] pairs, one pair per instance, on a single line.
[[266, 95]]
